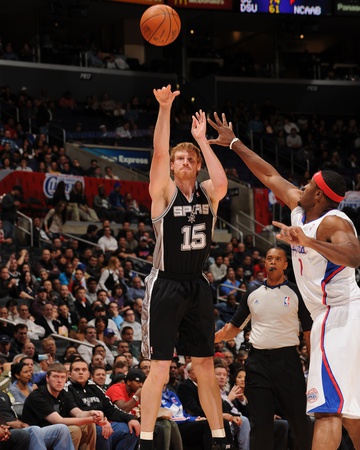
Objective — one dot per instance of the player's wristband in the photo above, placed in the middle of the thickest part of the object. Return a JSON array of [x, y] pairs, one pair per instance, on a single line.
[[233, 141], [135, 398]]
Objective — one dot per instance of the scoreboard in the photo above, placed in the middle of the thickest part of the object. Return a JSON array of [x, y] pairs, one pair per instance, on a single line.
[[294, 7]]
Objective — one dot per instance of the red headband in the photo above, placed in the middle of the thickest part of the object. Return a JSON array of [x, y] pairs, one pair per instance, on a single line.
[[319, 180]]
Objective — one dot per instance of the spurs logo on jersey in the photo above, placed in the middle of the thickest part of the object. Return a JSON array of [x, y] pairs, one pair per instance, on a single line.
[[180, 211], [186, 230]]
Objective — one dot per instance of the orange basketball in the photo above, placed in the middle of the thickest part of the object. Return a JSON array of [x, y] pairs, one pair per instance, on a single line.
[[160, 25]]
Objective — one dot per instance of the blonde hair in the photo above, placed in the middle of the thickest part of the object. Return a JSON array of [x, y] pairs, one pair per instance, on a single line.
[[186, 146]]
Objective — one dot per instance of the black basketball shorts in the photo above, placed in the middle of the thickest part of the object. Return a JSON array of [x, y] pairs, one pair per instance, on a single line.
[[177, 309]]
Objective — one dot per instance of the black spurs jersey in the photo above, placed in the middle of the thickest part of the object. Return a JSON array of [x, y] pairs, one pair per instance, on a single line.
[[183, 234]]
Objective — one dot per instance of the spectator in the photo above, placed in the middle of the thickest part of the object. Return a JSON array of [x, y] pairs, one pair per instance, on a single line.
[[127, 336], [25, 437], [9, 206], [117, 202], [55, 219], [21, 385], [193, 429], [109, 175], [67, 101], [90, 337], [127, 396], [81, 327], [227, 310], [257, 281], [27, 287], [66, 298], [117, 296], [101, 204], [109, 276], [35, 332], [122, 430], [50, 404], [82, 305], [230, 285], [136, 290], [46, 263], [293, 140], [129, 321], [189, 397], [5, 352], [114, 314], [239, 424], [19, 339], [98, 376], [5, 327], [107, 242], [37, 305], [83, 211], [218, 269], [47, 321], [137, 306]]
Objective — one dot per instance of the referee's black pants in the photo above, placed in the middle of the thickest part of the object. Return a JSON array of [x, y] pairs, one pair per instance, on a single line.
[[276, 376]]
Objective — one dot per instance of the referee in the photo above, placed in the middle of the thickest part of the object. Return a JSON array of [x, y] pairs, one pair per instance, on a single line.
[[273, 368]]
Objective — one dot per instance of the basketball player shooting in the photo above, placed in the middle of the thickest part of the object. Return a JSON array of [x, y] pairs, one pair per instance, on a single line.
[[178, 299]]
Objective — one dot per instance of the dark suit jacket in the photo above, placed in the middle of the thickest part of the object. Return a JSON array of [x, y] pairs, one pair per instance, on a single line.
[[187, 392], [84, 311], [42, 321]]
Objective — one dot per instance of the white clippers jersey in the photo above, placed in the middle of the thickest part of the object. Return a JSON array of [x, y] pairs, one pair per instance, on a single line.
[[321, 282]]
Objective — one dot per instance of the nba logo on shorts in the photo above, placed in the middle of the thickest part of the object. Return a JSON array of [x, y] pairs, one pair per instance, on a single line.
[[287, 301]]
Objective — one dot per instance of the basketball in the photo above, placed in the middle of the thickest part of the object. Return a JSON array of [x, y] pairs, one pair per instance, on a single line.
[[160, 25]]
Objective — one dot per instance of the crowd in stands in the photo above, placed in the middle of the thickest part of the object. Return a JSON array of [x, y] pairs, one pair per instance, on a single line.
[[314, 142]]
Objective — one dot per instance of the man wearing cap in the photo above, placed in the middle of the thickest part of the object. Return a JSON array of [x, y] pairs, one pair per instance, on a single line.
[[5, 342], [36, 307], [123, 429], [109, 340], [126, 396], [9, 207]]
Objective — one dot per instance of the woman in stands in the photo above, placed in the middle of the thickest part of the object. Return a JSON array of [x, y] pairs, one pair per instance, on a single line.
[[110, 275], [27, 286], [21, 386], [101, 323], [82, 324], [55, 219], [83, 211]]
